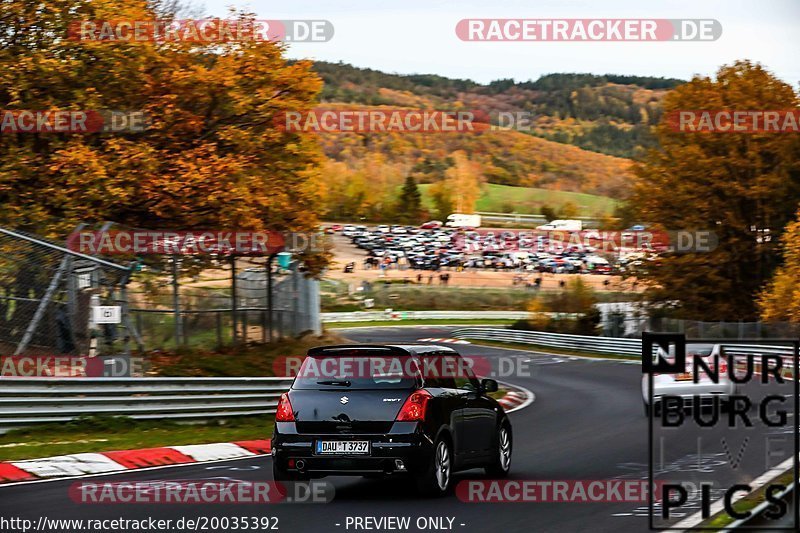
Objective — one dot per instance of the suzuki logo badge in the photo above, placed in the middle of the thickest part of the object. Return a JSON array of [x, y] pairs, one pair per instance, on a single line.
[[344, 399]]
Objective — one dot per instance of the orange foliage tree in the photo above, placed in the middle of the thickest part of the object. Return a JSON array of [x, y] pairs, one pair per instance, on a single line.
[[211, 157]]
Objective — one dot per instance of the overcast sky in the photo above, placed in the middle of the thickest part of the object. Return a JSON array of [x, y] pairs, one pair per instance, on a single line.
[[418, 36]]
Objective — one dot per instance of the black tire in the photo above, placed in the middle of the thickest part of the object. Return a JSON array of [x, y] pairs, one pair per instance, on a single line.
[[501, 464], [647, 409], [434, 480]]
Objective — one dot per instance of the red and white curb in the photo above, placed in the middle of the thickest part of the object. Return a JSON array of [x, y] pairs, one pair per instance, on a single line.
[[80, 464], [516, 398], [444, 341]]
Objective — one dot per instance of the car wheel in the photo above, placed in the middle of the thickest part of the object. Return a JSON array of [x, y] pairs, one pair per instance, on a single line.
[[501, 464], [435, 479]]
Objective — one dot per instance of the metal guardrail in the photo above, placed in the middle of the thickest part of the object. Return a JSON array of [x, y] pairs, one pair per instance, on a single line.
[[25, 401], [601, 345], [370, 316]]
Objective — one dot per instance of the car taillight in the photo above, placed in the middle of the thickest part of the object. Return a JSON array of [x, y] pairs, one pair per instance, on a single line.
[[284, 411], [413, 409]]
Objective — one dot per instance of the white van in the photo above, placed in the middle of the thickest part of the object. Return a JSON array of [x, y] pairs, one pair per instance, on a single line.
[[458, 220]]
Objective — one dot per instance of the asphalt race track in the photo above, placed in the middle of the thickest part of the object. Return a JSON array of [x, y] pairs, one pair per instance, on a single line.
[[587, 423]]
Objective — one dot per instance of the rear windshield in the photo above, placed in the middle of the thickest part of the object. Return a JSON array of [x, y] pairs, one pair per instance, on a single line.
[[357, 370]]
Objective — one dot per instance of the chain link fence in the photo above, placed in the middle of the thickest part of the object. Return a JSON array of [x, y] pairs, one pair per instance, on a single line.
[[47, 293], [225, 303], [631, 319]]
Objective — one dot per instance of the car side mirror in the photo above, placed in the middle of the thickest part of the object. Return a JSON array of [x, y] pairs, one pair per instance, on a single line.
[[489, 385]]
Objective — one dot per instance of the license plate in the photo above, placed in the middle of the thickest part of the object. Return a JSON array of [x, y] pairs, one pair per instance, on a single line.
[[686, 376], [342, 447]]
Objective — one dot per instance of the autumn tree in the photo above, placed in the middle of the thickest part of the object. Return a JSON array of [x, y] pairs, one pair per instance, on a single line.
[[409, 205], [737, 185], [464, 179], [568, 210], [548, 212], [212, 156], [780, 300], [442, 198]]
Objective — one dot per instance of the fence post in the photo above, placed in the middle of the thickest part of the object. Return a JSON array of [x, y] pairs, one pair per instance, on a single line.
[[139, 328], [218, 314], [295, 298], [176, 302], [234, 319], [315, 321], [269, 293], [133, 330], [45, 301]]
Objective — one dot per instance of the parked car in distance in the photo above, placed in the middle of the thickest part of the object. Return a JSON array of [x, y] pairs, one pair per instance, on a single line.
[[431, 224], [561, 225]]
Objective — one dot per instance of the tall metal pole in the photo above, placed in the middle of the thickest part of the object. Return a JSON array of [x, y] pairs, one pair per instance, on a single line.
[[270, 259], [176, 302], [233, 300]]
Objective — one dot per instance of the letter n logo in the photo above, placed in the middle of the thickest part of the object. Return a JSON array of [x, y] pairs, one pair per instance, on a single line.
[[655, 348]]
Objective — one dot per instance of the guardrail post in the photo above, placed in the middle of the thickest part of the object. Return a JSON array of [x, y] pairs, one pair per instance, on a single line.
[[176, 302]]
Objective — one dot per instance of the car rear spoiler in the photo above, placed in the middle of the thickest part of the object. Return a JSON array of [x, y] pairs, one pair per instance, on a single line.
[[349, 349]]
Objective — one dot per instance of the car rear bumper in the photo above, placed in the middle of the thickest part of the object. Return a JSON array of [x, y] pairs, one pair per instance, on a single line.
[[397, 452]]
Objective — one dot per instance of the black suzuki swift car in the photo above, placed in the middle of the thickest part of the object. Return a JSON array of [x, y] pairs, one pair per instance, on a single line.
[[389, 410]]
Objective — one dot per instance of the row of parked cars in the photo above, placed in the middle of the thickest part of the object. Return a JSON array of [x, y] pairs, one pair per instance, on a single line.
[[433, 249]]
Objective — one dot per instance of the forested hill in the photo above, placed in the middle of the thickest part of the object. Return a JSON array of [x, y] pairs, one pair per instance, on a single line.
[[610, 114]]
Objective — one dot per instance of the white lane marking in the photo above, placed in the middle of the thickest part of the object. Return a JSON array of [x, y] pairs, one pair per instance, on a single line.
[[132, 470], [210, 452], [68, 465]]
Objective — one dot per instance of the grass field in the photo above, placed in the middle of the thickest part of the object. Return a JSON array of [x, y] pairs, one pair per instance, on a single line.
[[529, 200]]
